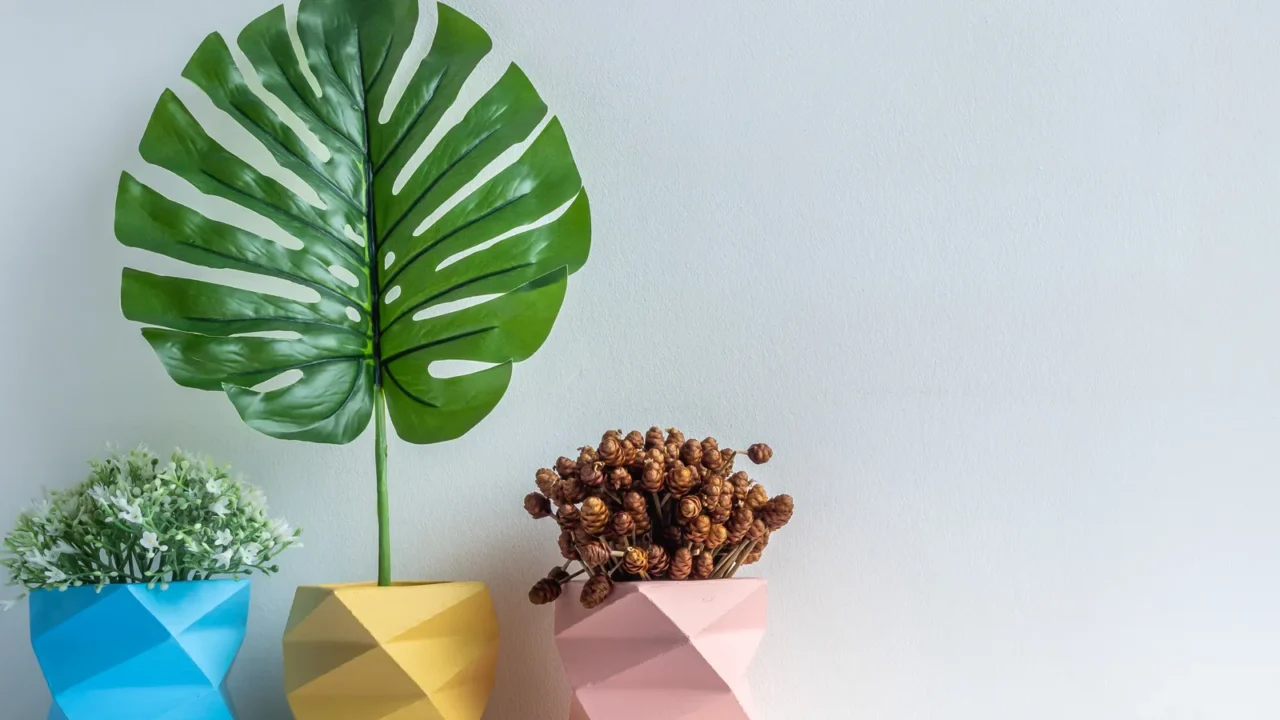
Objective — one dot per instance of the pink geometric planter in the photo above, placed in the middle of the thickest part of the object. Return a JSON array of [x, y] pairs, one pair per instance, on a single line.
[[670, 650]]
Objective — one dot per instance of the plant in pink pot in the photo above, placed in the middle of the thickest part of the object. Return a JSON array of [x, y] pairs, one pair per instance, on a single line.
[[657, 626]]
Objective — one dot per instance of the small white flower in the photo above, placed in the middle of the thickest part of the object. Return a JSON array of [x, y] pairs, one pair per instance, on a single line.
[[224, 558], [214, 486], [151, 543], [219, 508], [249, 553], [131, 513], [55, 575], [192, 547], [222, 537], [39, 558], [62, 548], [280, 529]]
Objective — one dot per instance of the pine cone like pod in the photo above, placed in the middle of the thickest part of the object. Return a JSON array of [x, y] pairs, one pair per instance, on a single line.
[[622, 524], [681, 564], [659, 560], [723, 511], [728, 456], [741, 484], [674, 436], [610, 450], [711, 490], [654, 438], [717, 537], [691, 453], [760, 453], [591, 475], [568, 550], [695, 531], [712, 459], [757, 530], [546, 479], [568, 516], [587, 455], [703, 565], [634, 503], [672, 453], [593, 554], [643, 523], [632, 455], [595, 515], [740, 524], [545, 591], [657, 456], [757, 497], [596, 591], [566, 468], [680, 480], [635, 438], [690, 508], [559, 575], [673, 536], [753, 557], [537, 505], [653, 479], [619, 478], [777, 512], [636, 561], [710, 444]]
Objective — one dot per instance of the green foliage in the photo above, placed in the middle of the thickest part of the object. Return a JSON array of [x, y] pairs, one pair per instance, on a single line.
[[462, 225], [135, 521]]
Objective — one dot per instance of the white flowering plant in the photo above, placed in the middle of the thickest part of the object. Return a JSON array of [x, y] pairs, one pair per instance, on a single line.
[[137, 521]]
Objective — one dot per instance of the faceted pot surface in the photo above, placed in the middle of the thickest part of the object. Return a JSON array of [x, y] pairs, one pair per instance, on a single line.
[[130, 653], [411, 651], [670, 650]]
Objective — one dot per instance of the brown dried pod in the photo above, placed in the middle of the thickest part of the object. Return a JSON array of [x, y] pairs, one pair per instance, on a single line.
[[546, 479], [760, 453], [654, 438], [559, 575], [591, 475], [712, 460], [756, 551], [636, 561], [653, 479], [537, 505], [596, 591], [680, 480], [717, 537], [622, 525], [674, 436], [673, 535], [635, 438], [710, 444], [757, 497], [740, 524], [703, 565], [757, 530], [657, 456], [568, 549], [593, 554], [691, 452], [634, 503], [695, 531], [568, 516], [690, 508], [631, 454], [741, 483], [566, 468], [545, 591], [728, 456], [722, 511], [610, 450], [587, 455], [672, 453], [777, 512], [659, 561], [595, 515], [681, 563], [642, 521], [711, 490], [619, 478]]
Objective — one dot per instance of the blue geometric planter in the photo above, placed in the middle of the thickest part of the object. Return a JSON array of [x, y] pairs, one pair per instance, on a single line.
[[129, 653]]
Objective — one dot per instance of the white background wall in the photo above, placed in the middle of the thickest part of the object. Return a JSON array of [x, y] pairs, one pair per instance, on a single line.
[[998, 281]]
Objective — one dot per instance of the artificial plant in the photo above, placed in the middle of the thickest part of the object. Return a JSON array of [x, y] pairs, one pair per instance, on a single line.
[[409, 241]]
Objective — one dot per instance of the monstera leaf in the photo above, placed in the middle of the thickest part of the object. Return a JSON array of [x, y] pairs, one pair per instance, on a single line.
[[462, 255]]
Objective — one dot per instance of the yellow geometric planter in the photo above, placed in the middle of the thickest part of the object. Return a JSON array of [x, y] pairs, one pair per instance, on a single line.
[[412, 651]]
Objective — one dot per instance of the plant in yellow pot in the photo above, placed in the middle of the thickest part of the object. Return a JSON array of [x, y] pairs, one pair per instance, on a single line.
[[390, 228]]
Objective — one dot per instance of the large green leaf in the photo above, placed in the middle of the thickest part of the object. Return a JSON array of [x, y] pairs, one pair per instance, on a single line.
[[402, 314]]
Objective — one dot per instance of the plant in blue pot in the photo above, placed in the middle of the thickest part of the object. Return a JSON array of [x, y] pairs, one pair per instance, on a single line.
[[137, 579]]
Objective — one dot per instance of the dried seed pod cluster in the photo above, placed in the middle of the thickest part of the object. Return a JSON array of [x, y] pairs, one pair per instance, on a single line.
[[653, 506]]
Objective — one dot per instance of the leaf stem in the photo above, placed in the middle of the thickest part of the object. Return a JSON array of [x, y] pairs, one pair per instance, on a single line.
[[384, 501]]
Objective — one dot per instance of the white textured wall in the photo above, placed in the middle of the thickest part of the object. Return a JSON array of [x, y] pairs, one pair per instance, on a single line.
[[1000, 281]]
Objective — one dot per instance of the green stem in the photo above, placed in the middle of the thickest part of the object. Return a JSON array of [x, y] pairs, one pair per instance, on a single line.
[[384, 502]]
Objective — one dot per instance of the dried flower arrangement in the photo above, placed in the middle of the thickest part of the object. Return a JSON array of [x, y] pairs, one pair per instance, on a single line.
[[653, 506], [135, 520]]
